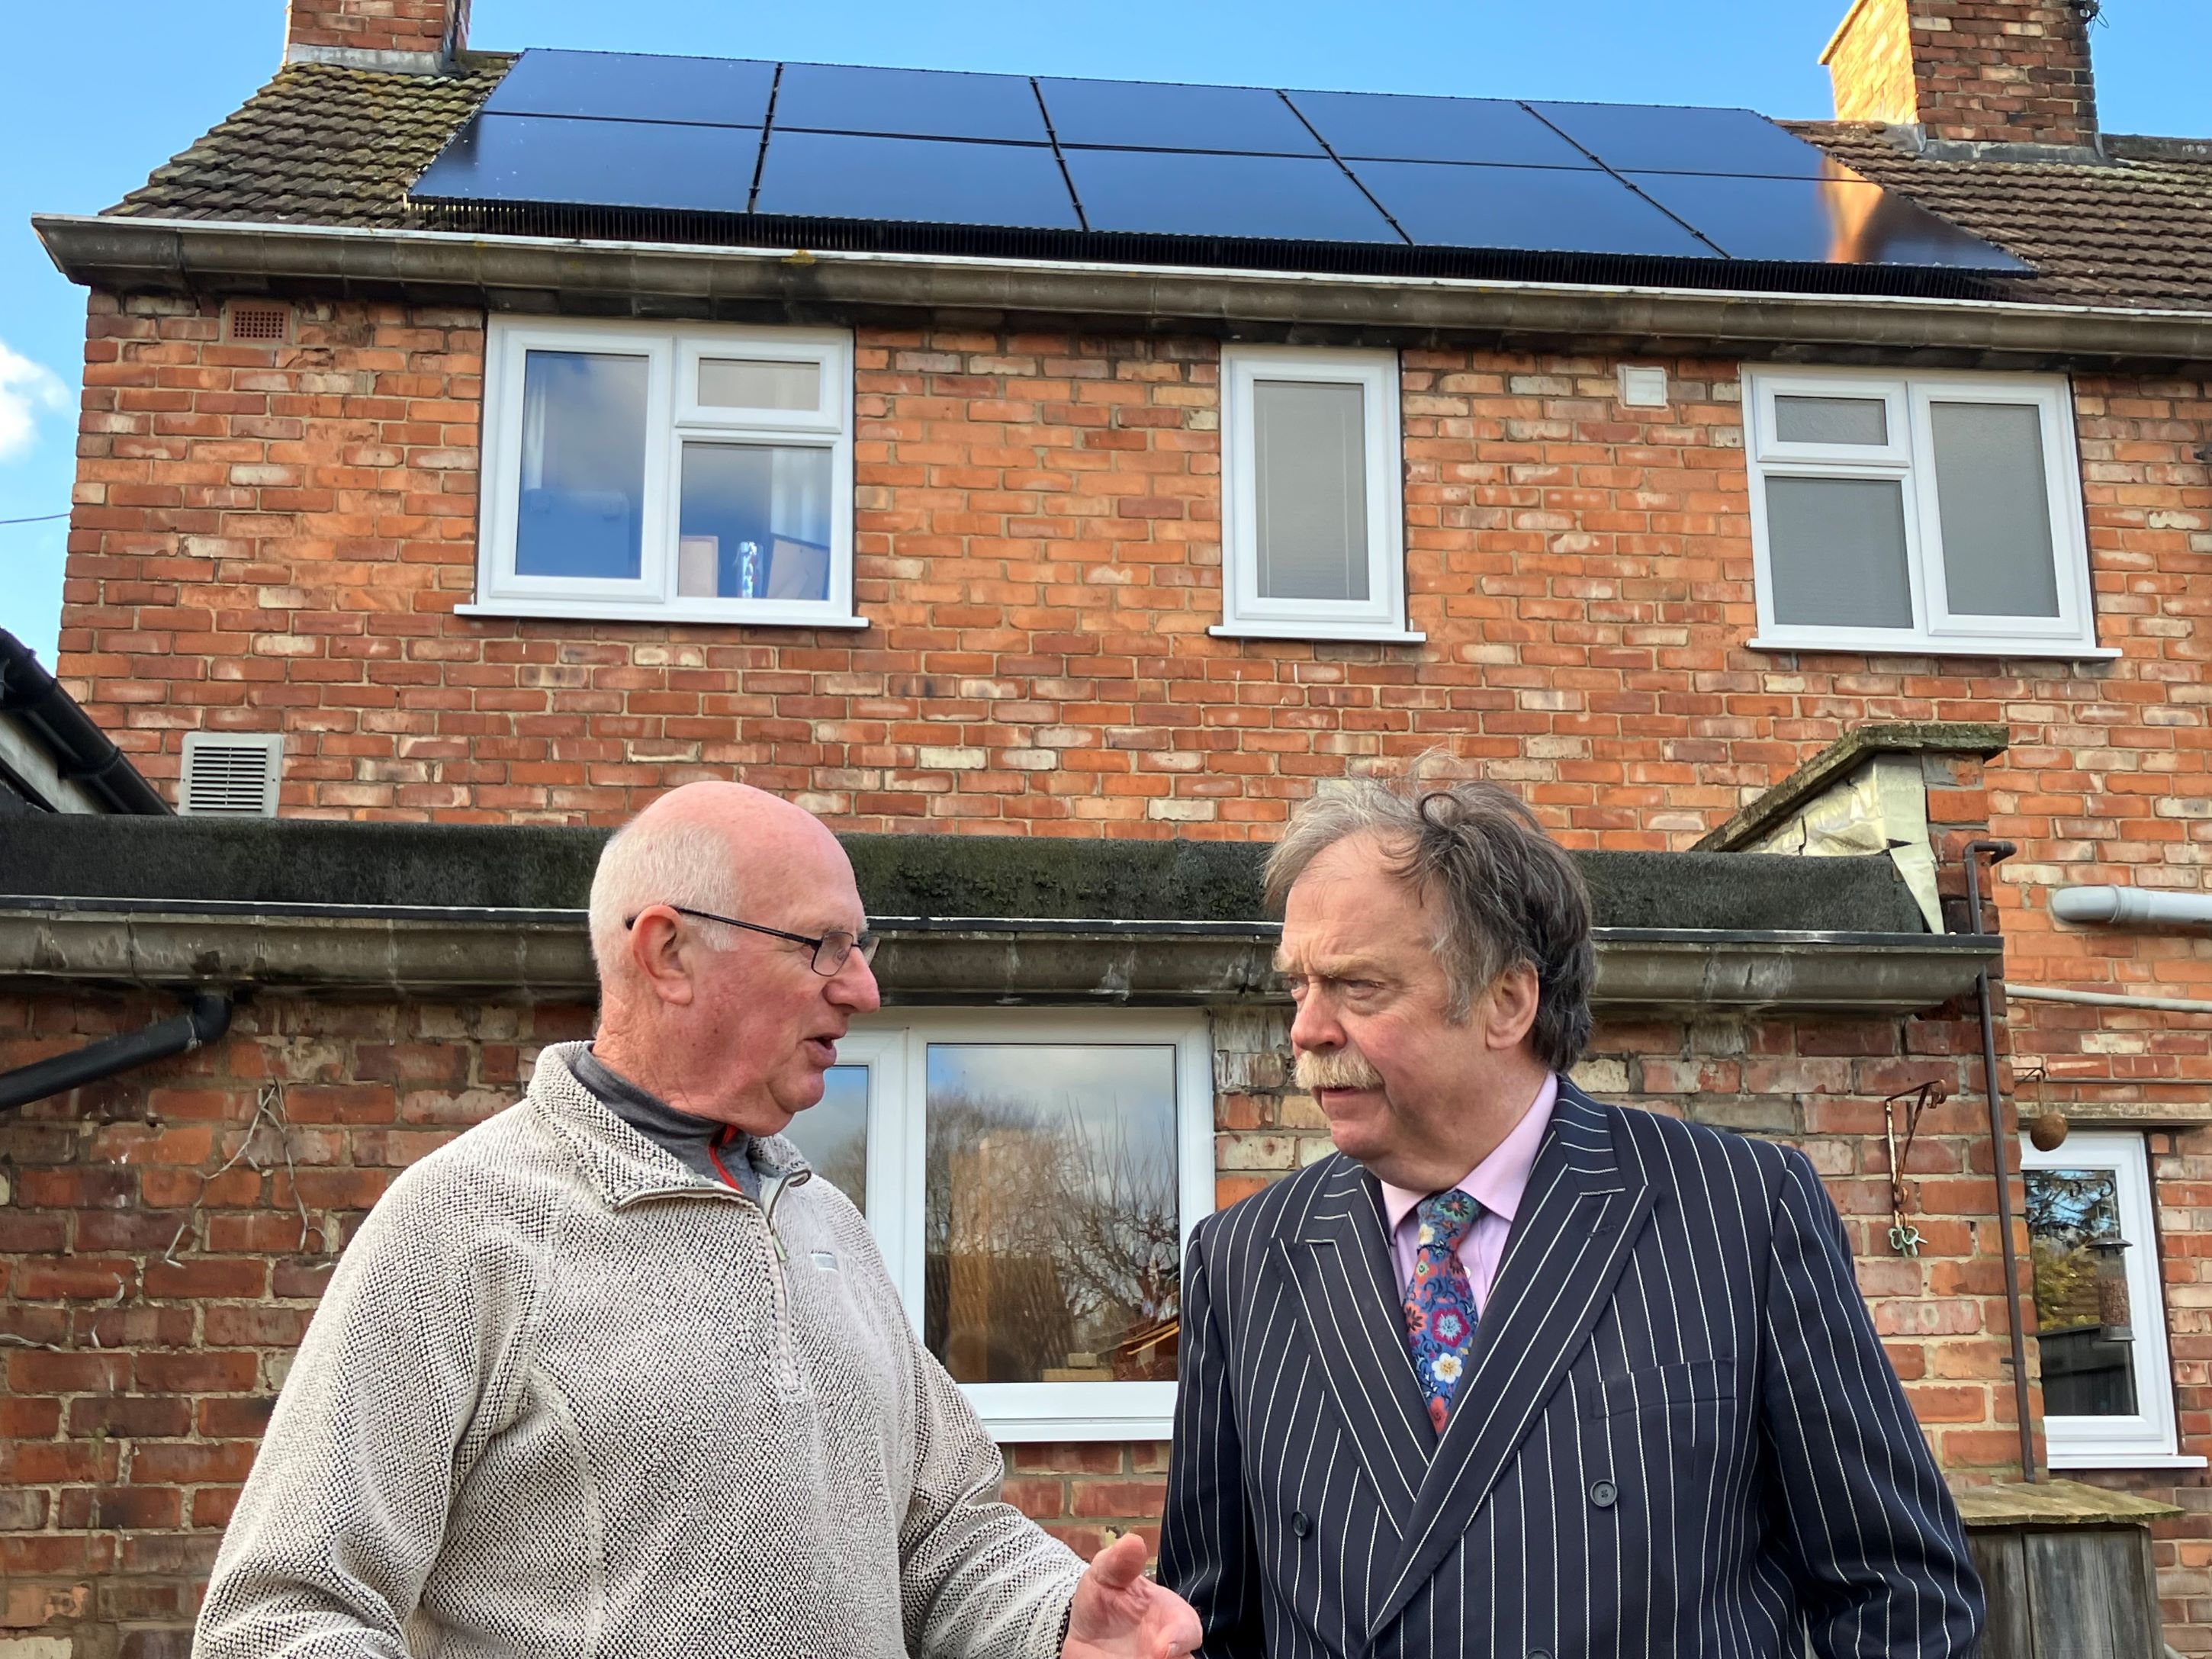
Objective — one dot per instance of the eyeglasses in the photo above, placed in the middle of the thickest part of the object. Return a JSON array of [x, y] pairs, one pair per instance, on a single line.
[[830, 950]]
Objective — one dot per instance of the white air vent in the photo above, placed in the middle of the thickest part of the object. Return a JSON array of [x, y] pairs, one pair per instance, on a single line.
[[1643, 386], [230, 775]]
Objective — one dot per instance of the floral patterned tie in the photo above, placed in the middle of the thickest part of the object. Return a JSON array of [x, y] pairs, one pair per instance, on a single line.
[[1440, 1316]]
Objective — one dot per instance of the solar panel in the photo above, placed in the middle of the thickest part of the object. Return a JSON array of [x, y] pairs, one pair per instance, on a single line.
[[1142, 115], [949, 154], [909, 103], [834, 175], [1541, 210], [1841, 221], [1392, 127], [629, 164], [1671, 138], [619, 86], [1182, 193]]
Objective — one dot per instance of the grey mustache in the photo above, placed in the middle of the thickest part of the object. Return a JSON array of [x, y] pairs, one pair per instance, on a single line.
[[1338, 1068]]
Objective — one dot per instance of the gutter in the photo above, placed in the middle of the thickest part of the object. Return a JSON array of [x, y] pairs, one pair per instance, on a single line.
[[674, 280], [79, 750], [358, 951]]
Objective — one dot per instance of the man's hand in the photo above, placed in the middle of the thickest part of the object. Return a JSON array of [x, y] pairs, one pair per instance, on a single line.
[[1119, 1613]]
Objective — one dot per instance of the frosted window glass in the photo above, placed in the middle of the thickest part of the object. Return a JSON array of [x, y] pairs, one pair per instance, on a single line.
[[1832, 421], [580, 508], [1310, 464], [1836, 549], [754, 522], [744, 383], [1994, 505]]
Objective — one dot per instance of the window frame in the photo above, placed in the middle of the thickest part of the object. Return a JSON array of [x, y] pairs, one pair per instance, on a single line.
[[895, 1047], [2147, 1439], [674, 417], [1909, 458], [1244, 613]]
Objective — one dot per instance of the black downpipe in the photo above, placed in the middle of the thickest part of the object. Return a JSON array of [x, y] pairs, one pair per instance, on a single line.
[[2001, 1152], [207, 1018]]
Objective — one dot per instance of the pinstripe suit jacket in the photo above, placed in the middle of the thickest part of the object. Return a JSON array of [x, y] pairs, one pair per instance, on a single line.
[[1678, 1435]]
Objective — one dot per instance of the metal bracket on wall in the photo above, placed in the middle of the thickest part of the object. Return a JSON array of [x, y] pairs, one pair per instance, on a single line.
[[1903, 1236]]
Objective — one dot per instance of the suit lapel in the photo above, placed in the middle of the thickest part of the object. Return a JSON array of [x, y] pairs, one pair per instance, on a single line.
[[1581, 1214], [1346, 1291]]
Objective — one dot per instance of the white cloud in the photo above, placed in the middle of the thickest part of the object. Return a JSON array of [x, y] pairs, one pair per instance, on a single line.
[[26, 389]]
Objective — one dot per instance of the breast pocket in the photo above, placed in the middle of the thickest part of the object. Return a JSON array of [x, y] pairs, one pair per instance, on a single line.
[[1686, 1384]]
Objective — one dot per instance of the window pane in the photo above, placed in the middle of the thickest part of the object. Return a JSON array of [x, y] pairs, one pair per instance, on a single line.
[[1837, 546], [582, 510], [754, 522], [1053, 1230], [743, 383], [832, 1134], [1994, 504], [1830, 421], [1309, 462], [2084, 1375]]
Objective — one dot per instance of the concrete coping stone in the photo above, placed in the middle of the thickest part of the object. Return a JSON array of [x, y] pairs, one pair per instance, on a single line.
[[1842, 758]]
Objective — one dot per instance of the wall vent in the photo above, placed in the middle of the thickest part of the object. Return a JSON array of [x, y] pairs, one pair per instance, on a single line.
[[258, 323], [230, 775]]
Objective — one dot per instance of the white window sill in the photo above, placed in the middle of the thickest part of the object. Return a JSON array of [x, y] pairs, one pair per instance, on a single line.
[[2048, 650], [587, 611], [2124, 1459], [1308, 631], [1026, 1431]]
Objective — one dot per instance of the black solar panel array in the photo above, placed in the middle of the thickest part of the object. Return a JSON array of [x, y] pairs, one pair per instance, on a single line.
[[820, 142]]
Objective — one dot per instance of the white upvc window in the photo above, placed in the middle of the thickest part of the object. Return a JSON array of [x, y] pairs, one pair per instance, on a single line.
[[1936, 512], [1031, 1178], [2099, 1303], [1312, 495], [638, 471]]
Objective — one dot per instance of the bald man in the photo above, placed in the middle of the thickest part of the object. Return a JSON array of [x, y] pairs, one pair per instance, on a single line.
[[607, 1376]]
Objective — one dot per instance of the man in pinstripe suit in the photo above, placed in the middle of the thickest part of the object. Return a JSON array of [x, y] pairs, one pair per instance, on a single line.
[[1514, 1372]]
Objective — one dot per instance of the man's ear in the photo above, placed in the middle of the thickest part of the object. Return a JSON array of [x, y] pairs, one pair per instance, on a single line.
[[656, 953], [1508, 1008]]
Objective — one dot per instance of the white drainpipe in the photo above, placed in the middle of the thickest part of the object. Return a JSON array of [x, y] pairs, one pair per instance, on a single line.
[[2131, 907]]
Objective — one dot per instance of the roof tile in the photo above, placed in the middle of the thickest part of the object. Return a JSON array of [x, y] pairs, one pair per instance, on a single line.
[[322, 144]]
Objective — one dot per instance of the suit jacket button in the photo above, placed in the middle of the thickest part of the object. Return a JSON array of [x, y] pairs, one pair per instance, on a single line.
[[1602, 1492], [1299, 1524], [1538, 1653]]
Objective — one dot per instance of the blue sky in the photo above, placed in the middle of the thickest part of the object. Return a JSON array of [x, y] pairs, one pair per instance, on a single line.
[[78, 137]]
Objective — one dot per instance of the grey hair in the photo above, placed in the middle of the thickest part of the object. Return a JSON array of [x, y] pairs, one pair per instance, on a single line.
[[1502, 892], [654, 863]]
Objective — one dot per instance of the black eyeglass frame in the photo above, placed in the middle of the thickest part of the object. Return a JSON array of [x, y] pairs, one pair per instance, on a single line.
[[865, 942]]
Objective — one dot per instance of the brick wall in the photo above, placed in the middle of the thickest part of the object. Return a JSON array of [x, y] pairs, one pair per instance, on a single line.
[[140, 1364], [273, 538], [1998, 71]]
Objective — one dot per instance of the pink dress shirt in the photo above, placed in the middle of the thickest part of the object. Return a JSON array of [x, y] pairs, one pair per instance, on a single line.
[[1496, 1183]]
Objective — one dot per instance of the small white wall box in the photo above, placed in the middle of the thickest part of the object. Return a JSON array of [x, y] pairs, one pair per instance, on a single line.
[[231, 774], [1643, 386]]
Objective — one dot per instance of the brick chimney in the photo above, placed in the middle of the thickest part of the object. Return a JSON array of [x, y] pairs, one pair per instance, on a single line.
[[1969, 71], [411, 37]]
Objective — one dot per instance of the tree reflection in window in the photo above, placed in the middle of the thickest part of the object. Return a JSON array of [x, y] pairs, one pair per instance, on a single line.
[[1052, 1234], [2084, 1374], [832, 1134]]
